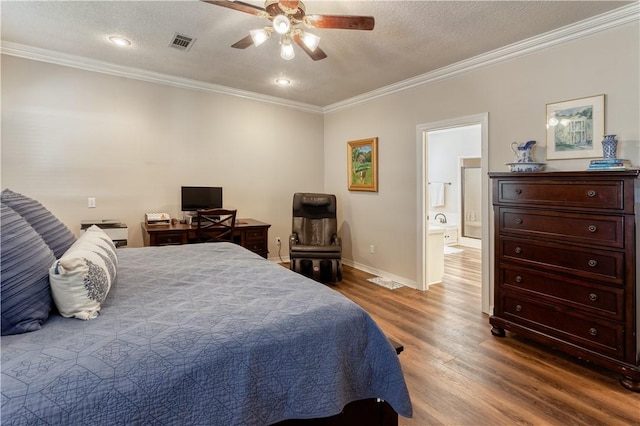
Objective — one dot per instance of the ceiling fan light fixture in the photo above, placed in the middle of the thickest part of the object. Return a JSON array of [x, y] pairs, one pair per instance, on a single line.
[[286, 17], [281, 24], [259, 36], [310, 40], [286, 49]]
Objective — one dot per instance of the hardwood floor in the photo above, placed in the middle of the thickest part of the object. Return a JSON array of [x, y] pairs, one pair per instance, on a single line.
[[459, 374]]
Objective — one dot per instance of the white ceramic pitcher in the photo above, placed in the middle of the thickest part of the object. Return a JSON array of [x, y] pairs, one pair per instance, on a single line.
[[523, 151]]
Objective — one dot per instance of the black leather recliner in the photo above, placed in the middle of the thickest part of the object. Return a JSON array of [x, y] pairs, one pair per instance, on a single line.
[[315, 250]]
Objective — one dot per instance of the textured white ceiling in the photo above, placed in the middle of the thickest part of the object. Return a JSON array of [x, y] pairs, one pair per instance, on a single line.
[[410, 38]]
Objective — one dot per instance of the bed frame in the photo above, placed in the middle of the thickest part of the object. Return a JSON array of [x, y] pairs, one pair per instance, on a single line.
[[372, 411]]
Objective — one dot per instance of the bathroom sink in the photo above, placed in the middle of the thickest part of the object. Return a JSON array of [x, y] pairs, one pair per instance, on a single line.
[[442, 225]]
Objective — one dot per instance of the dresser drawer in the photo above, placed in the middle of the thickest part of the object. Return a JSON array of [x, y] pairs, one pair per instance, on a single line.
[[255, 236], [566, 227], [603, 300], [168, 238], [255, 247], [601, 336], [606, 266], [592, 194], [255, 240]]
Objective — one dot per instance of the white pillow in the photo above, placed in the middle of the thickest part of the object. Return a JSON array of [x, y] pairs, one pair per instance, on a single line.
[[80, 280]]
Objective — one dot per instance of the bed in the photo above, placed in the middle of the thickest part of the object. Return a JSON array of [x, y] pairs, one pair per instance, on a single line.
[[202, 334]]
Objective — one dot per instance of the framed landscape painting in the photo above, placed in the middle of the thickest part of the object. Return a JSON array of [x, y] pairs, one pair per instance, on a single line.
[[575, 128], [362, 168]]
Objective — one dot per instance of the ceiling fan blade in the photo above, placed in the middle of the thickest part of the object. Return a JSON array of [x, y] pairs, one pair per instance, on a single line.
[[345, 22], [244, 43], [238, 5], [316, 55]]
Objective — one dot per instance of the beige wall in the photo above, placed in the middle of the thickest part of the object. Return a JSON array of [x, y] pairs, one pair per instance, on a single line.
[[514, 93], [69, 134]]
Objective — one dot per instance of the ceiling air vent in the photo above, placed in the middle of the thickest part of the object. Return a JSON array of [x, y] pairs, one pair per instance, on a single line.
[[182, 42]]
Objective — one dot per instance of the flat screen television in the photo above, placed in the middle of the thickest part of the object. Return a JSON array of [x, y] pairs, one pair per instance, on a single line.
[[201, 197]]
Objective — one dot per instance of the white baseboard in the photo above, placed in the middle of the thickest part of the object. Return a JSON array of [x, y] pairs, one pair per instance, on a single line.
[[277, 259], [364, 268], [380, 273]]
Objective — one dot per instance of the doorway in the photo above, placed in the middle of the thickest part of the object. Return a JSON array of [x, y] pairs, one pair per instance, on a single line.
[[424, 135]]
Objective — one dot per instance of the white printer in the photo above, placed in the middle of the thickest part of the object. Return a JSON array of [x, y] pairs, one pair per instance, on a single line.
[[117, 231]]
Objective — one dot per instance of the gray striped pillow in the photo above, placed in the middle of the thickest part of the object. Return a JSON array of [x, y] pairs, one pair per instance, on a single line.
[[57, 236], [25, 260]]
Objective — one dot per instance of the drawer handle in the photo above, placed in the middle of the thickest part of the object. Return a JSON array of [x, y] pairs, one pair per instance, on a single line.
[[518, 308], [593, 263], [518, 279], [591, 193], [519, 221], [593, 297], [592, 228], [518, 250], [518, 191], [593, 331]]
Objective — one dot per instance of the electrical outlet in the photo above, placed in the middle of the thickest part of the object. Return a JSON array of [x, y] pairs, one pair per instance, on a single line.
[[278, 242], [91, 203], [372, 249]]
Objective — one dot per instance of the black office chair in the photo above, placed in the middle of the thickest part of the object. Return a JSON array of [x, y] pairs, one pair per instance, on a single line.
[[215, 225], [315, 250]]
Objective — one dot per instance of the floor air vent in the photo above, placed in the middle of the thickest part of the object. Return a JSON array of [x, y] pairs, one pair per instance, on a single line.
[[182, 42], [384, 282]]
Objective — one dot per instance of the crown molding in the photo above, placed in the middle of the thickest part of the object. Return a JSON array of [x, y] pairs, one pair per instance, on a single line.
[[618, 17], [43, 55]]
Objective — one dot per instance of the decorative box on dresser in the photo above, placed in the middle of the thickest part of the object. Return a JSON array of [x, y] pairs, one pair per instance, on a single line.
[[566, 254]]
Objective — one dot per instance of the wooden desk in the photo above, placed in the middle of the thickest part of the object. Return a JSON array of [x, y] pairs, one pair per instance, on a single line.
[[249, 233]]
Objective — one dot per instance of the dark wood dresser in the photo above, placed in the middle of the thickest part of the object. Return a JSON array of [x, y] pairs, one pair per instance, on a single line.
[[566, 254]]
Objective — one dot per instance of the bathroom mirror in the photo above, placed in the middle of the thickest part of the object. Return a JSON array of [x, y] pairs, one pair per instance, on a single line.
[[471, 178]]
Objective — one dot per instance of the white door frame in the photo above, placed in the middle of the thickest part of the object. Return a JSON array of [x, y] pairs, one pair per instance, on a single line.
[[422, 197]]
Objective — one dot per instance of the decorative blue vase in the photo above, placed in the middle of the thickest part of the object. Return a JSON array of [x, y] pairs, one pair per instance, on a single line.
[[609, 146]]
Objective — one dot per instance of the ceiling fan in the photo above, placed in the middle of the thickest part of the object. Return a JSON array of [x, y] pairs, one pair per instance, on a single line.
[[286, 16]]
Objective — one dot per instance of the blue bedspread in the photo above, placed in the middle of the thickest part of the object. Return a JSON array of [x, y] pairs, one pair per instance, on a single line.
[[204, 334]]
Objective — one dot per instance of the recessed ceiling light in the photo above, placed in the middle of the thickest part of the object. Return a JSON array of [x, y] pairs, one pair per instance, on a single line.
[[120, 41], [283, 81]]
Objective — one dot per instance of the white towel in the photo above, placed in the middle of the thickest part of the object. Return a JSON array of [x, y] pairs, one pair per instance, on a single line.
[[436, 194]]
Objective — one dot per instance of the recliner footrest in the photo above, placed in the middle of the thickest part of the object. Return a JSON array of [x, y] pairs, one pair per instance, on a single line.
[[315, 249], [323, 270], [315, 256]]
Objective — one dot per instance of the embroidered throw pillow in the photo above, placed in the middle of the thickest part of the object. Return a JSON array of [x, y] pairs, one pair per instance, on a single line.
[[25, 260], [81, 278], [55, 233]]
